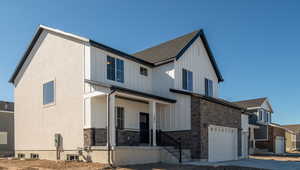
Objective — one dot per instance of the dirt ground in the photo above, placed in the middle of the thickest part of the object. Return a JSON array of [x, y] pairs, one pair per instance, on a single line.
[[278, 158], [49, 165]]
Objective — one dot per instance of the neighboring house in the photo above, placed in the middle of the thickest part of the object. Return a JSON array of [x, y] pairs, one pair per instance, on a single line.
[[268, 136], [296, 129], [6, 128], [73, 93], [290, 140]]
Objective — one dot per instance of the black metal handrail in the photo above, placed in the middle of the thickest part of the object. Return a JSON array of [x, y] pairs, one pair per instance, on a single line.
[[163, 139]]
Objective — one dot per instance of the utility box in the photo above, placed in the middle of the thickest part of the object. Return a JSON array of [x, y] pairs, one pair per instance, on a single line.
[[57, 140]]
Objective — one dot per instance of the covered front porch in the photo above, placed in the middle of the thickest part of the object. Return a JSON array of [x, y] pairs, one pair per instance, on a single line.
[[132, 117]]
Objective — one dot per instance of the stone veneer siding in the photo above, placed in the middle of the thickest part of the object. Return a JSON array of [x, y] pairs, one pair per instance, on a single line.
[[204, 113], [128, 137], [95, 137], [270, 143]]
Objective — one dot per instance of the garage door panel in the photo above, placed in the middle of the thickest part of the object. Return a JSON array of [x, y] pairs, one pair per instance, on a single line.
[[279, 144], [222, 143]]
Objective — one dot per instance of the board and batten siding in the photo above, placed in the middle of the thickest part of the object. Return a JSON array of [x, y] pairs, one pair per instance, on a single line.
[[59, 58], [176, 116], [163, 79], [132, 77], [195, 59]]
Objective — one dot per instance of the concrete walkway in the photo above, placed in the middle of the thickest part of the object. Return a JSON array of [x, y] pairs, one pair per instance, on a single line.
[[256, 163]]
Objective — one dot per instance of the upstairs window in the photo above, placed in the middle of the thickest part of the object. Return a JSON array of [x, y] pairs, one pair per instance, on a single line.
[[48, 93], [115, 69], [208, 87], [143, 71], [111, 73], [120, 117], [266, 116], [187, 80]]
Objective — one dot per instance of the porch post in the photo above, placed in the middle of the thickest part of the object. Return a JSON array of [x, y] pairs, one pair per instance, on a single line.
[[112, 120], [152, 109]]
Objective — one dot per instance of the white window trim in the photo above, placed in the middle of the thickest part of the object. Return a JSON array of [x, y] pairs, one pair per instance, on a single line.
[[54, 93]]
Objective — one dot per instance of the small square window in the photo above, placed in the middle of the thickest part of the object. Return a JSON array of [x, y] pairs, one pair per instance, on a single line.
[[143, 71], [48, 93]]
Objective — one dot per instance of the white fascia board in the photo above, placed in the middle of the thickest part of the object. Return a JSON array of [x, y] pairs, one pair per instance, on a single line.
[[64, 33], [94, 94]]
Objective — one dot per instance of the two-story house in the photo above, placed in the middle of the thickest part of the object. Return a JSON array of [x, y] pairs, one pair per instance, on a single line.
[[76, 98], [266, 136]]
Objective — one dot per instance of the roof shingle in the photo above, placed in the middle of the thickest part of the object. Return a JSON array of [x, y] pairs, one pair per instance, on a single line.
[[251, 103], [166, 50]]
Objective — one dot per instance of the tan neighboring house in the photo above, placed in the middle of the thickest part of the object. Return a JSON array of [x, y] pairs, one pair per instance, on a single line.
[[296, 129], [7, 143], [76, 98], [290, 140]]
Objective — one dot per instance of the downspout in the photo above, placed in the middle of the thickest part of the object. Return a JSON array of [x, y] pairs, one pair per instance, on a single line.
[[108, 129]]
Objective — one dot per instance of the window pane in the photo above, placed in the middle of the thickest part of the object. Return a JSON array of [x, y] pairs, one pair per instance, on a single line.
[[143, 71], [48, 92], [120, 70], [184, 79], [110, 68], [120, 117], [190, 80], [208, 87]]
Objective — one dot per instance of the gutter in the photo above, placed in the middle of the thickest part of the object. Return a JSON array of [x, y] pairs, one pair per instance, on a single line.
[[108, 130]]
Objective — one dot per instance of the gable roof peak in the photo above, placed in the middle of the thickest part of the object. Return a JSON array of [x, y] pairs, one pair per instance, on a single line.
[[175, 48], [257, 102]]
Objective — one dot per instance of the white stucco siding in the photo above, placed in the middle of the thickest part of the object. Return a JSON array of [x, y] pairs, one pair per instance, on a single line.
[[175, 116], [195, 59], [53, 58], [132, 77], [163, 79]]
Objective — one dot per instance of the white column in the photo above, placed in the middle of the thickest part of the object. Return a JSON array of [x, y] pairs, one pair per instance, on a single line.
[[87, 113], [112, 120], [152, 109]]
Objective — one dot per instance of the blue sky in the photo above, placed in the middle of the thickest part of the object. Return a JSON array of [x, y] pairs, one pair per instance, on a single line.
[[256, 43]]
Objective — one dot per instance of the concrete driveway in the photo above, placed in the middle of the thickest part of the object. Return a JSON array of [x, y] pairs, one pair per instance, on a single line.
[[277, 163]]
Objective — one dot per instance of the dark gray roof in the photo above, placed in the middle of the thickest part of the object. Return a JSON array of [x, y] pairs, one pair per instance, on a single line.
[[166, 50], [174, 49], [160, 53], [212, 99], [251, 103], [6, 106]]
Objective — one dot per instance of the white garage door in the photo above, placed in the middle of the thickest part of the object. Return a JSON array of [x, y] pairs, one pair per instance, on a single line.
[[222, 143], [279, 144]]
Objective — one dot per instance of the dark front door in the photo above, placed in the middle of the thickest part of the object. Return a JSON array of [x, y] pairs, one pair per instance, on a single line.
[[144, 128]]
